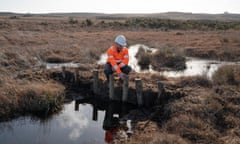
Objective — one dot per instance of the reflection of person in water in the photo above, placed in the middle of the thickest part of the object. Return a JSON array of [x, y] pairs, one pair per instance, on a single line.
[[111, 132], [111, 123]]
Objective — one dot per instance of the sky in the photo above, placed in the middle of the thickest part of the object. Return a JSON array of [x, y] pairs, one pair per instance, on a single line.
[[121, 6]]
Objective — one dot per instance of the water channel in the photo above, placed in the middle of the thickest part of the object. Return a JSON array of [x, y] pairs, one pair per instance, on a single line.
[[77, 123]]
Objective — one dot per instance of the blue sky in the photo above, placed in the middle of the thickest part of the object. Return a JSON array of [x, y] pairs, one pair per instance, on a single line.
[[121, 6]]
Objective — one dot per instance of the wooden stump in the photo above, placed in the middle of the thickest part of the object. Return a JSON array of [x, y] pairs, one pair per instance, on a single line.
[[111, 87], [76, 75], [160, 89], [125, 89], [64, 72], [139, 92], [95, 82]]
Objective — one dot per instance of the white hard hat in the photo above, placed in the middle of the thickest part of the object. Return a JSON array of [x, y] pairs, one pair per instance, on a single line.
[[121, 40]]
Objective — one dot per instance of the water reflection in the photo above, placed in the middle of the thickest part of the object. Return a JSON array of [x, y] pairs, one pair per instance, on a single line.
[[114, 111], [79, 122]]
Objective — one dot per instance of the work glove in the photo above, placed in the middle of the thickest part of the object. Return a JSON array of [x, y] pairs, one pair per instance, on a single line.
[[122, 75]]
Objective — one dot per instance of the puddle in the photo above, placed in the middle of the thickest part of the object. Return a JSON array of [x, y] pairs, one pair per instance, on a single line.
[[60, 65], [77, 123], [194, 66], [198, 67]]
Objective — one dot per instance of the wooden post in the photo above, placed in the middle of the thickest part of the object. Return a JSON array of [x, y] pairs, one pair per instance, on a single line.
[[160, 89], [64, 72], [139, 91], [111, 87], [125, 89], [95, 81], [76, 75]]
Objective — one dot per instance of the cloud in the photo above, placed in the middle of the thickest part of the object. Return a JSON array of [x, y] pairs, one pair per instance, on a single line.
[[76, 122]]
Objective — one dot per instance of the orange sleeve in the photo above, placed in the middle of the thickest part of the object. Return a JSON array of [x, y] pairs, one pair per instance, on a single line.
[[112, 61], [125, 58]]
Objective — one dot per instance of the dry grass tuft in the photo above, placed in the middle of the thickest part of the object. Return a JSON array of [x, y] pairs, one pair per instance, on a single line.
[[56, 58], [144, 58], [195, 81], [41, 98], [159, 138], [168, 58], [36, 98], [228, 74], [192, 128]]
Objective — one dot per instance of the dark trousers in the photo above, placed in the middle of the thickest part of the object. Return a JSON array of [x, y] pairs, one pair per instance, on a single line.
[[108, 69]]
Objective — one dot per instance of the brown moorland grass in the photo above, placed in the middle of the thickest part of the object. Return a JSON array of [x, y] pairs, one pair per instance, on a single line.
[[229, 74], [207, 113], [168, 59], [37, 98]]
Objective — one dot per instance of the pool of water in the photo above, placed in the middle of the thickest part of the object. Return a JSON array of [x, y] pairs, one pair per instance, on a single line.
[[60, 65], [200, 67], [77, 123]]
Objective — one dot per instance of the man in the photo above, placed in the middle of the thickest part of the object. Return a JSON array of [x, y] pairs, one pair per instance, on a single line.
[[117, 58]]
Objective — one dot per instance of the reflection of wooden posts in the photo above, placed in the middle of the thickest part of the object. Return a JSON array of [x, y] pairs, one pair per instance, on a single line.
[[139, 91], [95, 81], [111, 87], [76, 106], [76, 75], [95, 113], [125, 89], [160, 89]]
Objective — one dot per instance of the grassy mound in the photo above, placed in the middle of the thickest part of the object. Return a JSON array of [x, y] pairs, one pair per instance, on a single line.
[[38, 99]]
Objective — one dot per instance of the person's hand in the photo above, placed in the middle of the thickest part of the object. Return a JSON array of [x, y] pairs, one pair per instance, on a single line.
[[122, 76]]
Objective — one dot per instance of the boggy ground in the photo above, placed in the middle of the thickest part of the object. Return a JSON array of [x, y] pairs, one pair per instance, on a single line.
[[203, 111]]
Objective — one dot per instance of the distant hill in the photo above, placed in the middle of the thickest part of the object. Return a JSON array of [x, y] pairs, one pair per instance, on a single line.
[[168, 15], [186, 16]]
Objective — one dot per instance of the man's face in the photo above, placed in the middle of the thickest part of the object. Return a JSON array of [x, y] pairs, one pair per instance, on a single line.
[[119, 47]]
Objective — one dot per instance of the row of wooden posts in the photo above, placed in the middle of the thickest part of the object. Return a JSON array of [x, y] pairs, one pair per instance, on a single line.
[[113, 96]]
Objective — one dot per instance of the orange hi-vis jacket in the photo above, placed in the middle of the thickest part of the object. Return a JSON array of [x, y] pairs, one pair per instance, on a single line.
[[117, 59]]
